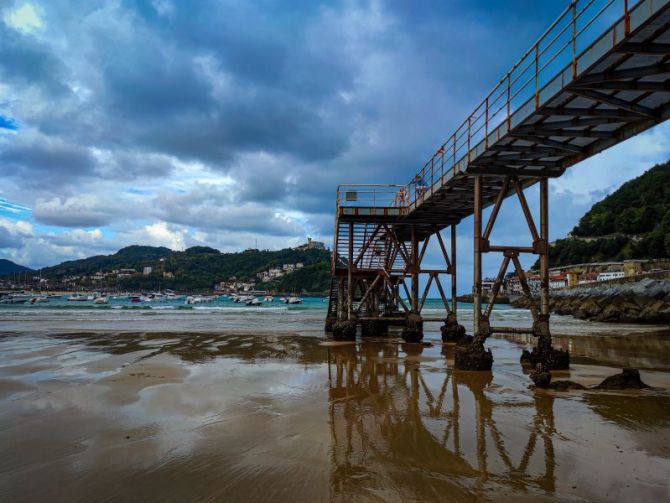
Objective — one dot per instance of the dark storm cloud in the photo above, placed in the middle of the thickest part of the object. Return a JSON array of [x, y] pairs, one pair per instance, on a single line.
[[25, 61], [40, 161], [280, 100]]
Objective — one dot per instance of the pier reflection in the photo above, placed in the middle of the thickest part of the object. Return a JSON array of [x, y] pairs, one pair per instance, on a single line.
[[399, 419]]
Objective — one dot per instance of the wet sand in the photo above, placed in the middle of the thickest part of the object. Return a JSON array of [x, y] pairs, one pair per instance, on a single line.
[[211, 417]]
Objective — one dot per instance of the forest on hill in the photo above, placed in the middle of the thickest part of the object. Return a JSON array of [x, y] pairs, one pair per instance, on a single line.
[[631, 223], [200, 268]]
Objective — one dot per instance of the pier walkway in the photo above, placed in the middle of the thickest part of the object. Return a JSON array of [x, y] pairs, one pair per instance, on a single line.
[[599, 75]]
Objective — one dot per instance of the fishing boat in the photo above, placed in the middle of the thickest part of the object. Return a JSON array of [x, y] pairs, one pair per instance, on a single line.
[[15, 298]]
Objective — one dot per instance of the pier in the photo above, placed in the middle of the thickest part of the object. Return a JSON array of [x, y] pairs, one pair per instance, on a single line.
[[599, 75]]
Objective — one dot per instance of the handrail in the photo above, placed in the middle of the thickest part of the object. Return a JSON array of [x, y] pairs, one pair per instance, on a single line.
[[524, 82]]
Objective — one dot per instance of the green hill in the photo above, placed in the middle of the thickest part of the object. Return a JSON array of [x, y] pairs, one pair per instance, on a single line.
[[9, 267], [631, 223], [199, 268]]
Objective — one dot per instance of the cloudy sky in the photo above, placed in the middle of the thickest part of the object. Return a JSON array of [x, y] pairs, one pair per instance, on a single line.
[[217, 123]]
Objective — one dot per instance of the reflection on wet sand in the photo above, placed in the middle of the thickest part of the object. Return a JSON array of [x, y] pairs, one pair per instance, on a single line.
[[648, 350], [224, 417], [428, 434]]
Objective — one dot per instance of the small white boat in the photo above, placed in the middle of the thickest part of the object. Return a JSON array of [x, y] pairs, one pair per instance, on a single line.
[[254, 302], [78, 297], [269, 298], [293, 300], [101, 300]]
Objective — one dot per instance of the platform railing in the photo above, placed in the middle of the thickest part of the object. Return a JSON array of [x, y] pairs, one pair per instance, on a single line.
[[549, 65], [372, 196]]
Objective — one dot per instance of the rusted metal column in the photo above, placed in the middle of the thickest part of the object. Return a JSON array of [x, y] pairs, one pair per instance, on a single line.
[[350, 274], [544, 251], [415, 272], [453, 272], [477, 266], [341, 314]]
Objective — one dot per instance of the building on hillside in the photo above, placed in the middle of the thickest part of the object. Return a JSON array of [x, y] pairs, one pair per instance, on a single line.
[[533, 281], [588, 277], [610, 275], [558, 281], [487, 285], [573, 278], [147, 270], [124, 273], [513, 286], [168, 275], [312, 245]]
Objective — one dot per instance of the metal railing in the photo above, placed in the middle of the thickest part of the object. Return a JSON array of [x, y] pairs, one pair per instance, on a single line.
[[371, 196], [548, 66]]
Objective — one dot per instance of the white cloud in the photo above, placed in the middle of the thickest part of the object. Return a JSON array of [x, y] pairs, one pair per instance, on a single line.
[[21, 228], [158, 234], [24, 18]]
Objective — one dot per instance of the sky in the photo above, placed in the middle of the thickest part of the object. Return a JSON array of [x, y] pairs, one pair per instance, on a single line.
[[219, 123]]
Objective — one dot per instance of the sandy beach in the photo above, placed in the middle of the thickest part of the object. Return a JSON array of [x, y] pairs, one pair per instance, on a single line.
[[110, 416]]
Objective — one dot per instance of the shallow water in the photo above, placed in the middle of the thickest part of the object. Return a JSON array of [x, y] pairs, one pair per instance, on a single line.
[[238, 405]]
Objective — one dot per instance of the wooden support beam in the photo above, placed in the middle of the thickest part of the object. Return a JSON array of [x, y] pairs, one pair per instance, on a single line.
[[614, 101]]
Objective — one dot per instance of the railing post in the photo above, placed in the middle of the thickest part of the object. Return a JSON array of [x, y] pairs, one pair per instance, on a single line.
[[486, 125], [574, 39], [626, 17], [537, 76], [454, 149], [469, 121], [509, 99]]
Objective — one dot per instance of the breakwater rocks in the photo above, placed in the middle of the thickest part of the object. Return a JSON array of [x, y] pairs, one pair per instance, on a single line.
[[644, 301]]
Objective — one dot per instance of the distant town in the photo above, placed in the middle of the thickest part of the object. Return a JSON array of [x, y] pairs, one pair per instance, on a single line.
[[160, 271], [577, 275]]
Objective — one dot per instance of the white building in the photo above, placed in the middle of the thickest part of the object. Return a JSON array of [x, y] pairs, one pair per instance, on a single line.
[[147, 270], [610, 275]]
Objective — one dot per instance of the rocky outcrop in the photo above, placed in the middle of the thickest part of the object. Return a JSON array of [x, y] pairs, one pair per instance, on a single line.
[[627, 379], [644, 301]]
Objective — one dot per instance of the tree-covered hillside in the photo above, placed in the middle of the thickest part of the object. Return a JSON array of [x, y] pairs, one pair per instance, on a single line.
[[200, 268], [9, 267], [632, 222]]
